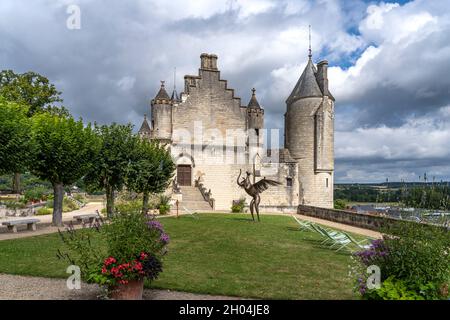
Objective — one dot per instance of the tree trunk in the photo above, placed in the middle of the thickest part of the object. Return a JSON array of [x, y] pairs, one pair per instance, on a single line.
[[145, 203], [16, 183], [109, 202], [58, 193]]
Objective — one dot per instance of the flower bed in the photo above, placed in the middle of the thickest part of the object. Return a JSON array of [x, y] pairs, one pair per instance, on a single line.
[[413, 262]]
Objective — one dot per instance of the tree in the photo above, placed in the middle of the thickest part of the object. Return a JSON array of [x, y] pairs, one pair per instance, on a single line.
[[15, 132], [109, 170], [32, 90], [64, 149], [150, 171]]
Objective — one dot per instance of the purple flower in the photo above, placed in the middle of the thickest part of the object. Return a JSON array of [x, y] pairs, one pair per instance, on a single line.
[[164, 238], [153, 224]]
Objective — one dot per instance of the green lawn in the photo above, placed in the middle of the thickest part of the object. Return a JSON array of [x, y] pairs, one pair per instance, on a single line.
[[224, 254]]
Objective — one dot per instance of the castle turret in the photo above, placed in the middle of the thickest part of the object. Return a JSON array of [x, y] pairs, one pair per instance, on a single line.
[[255, 113], [145, 132], [161, 107], [309, 134]]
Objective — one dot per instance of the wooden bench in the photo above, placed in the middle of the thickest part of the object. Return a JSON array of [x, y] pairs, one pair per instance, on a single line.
[[12, 224], [86, 217]]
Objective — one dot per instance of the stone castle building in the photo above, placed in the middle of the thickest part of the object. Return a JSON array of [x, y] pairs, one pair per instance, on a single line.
[[212, 136]]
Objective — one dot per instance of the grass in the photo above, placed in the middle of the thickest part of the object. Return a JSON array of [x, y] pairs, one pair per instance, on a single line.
[[223, 254]]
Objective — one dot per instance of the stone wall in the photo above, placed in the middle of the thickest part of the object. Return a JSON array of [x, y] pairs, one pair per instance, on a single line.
[[365, 221]]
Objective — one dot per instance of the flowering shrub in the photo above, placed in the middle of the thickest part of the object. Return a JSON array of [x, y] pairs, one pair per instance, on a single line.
[[414, 262], [144, 266], [134, 250]]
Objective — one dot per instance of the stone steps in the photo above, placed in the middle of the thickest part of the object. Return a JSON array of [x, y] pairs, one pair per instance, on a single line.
[[193, 200]]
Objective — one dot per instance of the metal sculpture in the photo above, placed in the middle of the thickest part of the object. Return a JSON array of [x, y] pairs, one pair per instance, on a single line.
[[254, 190]]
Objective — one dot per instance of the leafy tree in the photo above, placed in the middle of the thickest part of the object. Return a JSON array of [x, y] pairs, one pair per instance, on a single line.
[[110, 166], [15, 130], [64, 149], [32, 90], [150, 171]]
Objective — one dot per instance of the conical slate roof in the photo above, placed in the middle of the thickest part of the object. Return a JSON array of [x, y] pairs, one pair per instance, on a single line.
[[307, 85], [254, 104], [162, 93], [175, 96], [145, 127]]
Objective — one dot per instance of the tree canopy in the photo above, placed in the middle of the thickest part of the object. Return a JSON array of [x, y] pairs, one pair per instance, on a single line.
[[15, 132], [151, 169], [109, 168], [64, 149], [31, 89]]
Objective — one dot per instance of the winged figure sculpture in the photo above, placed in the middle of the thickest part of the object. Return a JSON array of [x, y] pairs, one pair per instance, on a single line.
[[254, 190]]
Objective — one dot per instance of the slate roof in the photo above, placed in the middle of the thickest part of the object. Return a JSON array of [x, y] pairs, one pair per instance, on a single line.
[[145, 127], [307, 85], [162, 93], [254, 104], [175, 96]]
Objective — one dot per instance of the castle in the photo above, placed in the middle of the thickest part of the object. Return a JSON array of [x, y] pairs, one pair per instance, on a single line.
[[212, 136]]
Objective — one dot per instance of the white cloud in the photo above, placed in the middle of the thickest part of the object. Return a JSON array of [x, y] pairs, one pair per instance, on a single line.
[[423, 137], [126, 83]]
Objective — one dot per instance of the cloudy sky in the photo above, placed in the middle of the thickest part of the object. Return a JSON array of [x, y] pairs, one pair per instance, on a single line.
[[389, 65]]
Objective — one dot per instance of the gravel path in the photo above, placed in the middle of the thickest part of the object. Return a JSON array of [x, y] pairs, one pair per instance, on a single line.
[[32, 288]]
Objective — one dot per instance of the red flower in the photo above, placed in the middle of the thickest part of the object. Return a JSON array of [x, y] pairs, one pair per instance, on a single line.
[[143, 256], [109, 261]]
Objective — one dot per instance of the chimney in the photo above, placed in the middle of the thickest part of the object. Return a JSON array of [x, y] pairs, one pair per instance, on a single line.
[[208, 62], [322, 77]]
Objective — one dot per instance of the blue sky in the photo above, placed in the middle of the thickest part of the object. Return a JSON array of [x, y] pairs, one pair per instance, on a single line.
[[389, 65]]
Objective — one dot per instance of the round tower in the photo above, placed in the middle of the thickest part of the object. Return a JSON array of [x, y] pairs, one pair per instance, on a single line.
[[309, 135], [161, 121]]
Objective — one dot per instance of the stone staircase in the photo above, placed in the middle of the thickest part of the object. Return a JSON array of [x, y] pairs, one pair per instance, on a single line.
[[193, 200]]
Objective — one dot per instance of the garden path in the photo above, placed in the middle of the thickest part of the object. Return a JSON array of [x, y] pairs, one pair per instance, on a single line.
[[14, 287]]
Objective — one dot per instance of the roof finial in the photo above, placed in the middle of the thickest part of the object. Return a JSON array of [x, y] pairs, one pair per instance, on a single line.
[[253, 91], [145, 116], [310, 51], [162, 83]]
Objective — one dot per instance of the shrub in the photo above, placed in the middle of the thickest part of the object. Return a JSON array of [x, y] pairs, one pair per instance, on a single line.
[[133, 247], [128, 205], [81, 198], [238, 206], [164, 206], [340, 204], [411, 257], [14, 205], [44, 211], [69, 205], [36, 194], [392, 289]]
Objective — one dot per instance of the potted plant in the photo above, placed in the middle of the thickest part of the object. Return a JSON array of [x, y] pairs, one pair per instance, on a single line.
[[119, 255]]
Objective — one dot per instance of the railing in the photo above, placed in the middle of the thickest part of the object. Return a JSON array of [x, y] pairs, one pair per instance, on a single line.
[[175, 186], [207, 195]]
